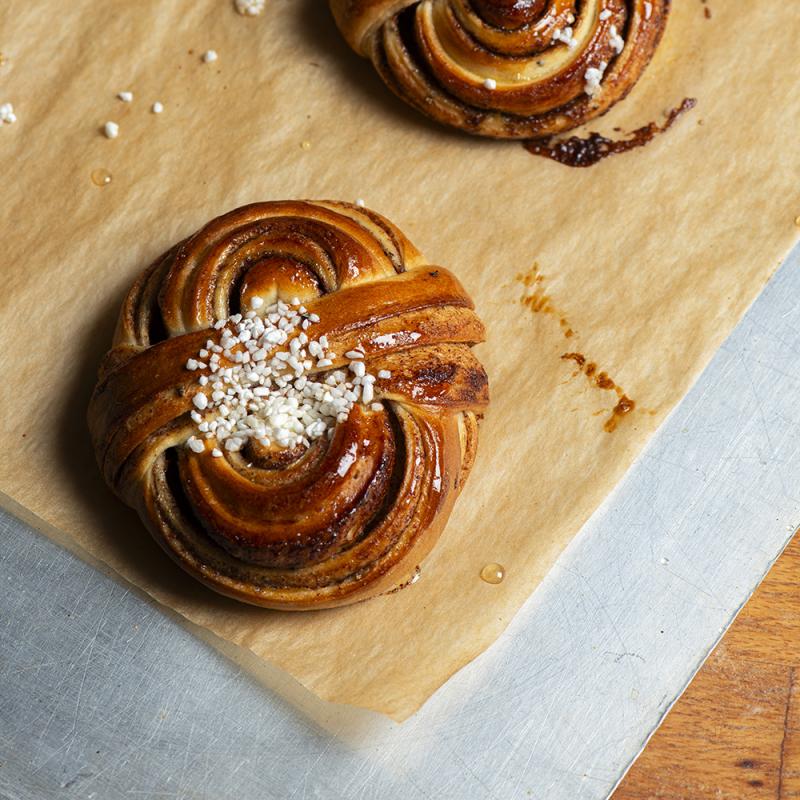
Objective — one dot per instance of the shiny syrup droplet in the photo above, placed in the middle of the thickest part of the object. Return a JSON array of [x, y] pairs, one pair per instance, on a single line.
[[797, 221], [101, 177], [493, 573]]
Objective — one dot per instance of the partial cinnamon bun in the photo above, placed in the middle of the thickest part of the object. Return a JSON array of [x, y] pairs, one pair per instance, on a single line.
[[509, 69], [291, 403]]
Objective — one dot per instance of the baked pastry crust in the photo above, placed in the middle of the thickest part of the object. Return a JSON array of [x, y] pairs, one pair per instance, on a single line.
[[278, 528], [511, 69]]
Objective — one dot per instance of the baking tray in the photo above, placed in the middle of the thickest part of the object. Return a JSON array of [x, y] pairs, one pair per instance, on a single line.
[[105, 695]]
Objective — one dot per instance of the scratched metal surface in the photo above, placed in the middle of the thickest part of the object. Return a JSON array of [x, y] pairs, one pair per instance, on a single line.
[[102, 695]]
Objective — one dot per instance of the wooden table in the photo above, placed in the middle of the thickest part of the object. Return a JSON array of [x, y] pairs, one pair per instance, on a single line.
[[735, 733]]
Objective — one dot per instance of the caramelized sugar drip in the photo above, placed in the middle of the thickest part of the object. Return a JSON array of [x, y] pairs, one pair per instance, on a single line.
[[101, 177], [625, 406], [538, 300], [602, 381], [586, 152], [493, 573]]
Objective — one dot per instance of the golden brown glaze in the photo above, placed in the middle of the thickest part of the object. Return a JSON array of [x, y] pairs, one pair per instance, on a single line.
[[284, 529], [437, 55]]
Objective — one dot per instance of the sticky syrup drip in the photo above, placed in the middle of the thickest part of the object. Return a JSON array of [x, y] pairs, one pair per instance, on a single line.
[[602, 381], [586, 152], [101, 177], [493, 573]]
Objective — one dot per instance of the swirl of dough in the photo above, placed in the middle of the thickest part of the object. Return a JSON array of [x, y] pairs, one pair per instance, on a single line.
[[352, 514], [510, 69]]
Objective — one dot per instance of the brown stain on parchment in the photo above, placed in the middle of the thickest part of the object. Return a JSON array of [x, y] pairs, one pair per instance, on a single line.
[[602, 381], [538, 301], [535, 298]]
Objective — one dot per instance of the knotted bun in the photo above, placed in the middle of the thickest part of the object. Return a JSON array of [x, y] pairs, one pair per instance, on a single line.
[[512, 69], [350, 515]]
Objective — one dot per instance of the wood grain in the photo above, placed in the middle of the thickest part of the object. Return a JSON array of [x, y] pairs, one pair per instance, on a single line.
[[735, 733]]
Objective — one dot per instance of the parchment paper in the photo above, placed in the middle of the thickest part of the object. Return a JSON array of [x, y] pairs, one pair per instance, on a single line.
[[649, 258]]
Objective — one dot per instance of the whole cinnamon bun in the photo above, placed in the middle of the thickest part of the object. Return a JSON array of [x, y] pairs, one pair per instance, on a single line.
[[291, 403], [512, 69]]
